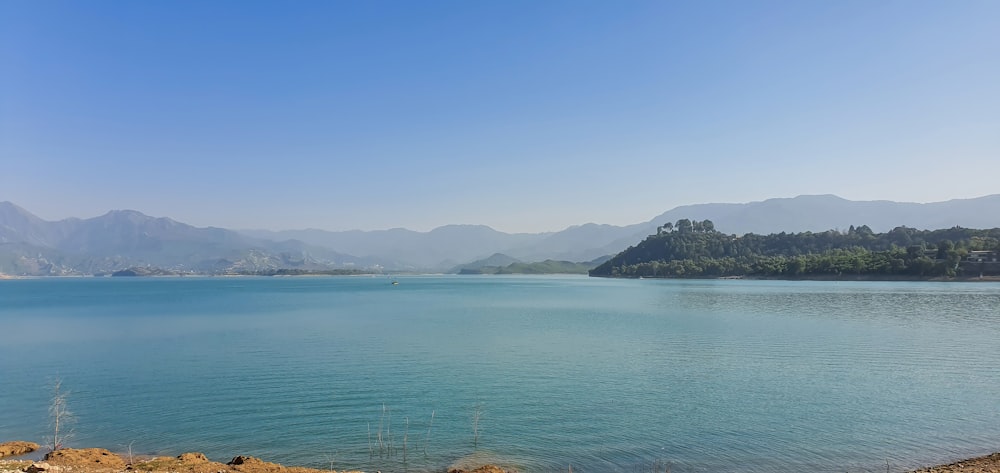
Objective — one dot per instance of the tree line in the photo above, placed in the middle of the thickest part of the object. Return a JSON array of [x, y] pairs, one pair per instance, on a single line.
[[694, 249]]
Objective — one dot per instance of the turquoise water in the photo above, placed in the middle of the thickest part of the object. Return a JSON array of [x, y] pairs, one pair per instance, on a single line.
[[597, 374]]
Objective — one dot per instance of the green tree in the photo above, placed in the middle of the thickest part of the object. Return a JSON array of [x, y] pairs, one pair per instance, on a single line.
[[684, 226]]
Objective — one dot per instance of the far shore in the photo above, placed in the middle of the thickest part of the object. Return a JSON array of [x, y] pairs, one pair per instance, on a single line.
[[98, 460], [830, 278]]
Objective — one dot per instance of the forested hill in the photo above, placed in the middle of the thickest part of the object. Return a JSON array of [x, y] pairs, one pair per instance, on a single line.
[[694, 249]]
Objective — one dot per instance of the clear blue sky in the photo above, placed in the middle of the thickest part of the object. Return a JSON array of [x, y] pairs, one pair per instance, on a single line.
[[521, 115]]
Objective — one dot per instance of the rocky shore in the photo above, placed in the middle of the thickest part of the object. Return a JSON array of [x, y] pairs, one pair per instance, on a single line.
[[99, 460], [985, 464], [13, 449]]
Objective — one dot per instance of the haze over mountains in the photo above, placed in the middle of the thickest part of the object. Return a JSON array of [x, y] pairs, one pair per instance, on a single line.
[[122, 239]]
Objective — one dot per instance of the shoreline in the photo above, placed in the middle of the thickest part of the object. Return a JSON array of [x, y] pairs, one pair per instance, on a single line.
[[830, 278], [98, 460], [823, 278]]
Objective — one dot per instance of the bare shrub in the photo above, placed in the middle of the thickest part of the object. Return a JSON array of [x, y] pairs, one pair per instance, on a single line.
[[61, 419]]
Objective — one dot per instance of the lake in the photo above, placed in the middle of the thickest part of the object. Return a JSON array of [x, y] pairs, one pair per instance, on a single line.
[[539, 373]]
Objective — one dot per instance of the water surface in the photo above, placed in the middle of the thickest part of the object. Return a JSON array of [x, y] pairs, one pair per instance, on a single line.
[[603, 375]]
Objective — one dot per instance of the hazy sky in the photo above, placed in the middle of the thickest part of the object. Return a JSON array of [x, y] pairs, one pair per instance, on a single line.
[[522, 115]]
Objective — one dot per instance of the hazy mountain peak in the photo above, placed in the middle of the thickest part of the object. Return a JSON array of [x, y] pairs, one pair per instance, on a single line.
[[495, 260], [588, 225], [8, 208], [125, 212], [132, 216], [19, 225], [819, 198], [453, 228]]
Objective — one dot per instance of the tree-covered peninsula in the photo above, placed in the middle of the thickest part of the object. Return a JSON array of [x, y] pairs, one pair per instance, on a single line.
[[695, 249]]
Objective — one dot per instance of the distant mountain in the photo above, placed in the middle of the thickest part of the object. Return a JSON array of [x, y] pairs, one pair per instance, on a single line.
[[825, 212], [497, 260], [121, 239], [540, 267], [444, 248], [581, 242], [439, 249], [547, 267], [20, 226]]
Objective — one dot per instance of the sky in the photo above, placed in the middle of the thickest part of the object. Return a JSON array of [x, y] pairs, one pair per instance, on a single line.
[[526, 116]]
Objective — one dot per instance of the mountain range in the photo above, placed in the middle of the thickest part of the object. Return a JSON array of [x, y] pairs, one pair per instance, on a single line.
[[121, 239]]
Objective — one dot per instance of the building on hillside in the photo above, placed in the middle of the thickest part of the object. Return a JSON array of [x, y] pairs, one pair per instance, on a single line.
[[982, 257]]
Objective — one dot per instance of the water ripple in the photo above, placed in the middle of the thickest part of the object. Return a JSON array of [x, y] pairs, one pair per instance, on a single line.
[[603, 375]]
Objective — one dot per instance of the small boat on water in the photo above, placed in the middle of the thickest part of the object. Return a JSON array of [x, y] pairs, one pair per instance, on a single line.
[[395, 283]]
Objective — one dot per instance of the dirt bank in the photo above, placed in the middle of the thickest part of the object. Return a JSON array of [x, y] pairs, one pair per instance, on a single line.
[[987, 464], [13, 449], [99, 460]]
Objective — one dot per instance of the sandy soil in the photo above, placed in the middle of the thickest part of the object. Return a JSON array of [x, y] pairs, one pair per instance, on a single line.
[[99, 460], [987, 464], [13, 449]]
